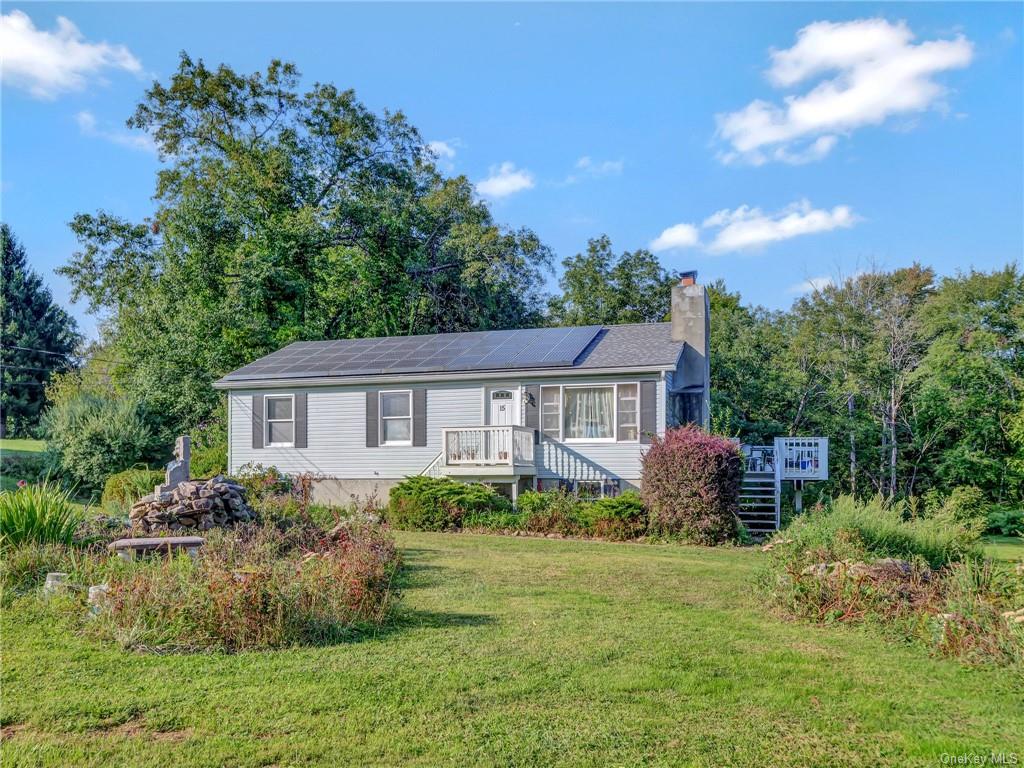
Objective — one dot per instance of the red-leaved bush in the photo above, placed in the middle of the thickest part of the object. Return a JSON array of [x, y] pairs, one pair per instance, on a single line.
[[691, 486]]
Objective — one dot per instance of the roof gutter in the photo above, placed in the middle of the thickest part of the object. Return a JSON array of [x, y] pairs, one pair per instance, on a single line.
[[333, 381]]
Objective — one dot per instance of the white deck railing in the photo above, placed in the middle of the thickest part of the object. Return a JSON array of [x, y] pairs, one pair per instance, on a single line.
[[487, 446], [802, 458]]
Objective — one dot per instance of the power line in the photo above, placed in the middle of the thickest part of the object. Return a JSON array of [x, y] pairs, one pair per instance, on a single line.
[[27, 368], [61, 354]]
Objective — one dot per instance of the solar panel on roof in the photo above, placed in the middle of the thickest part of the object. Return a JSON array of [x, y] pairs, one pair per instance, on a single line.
[[483, 350]]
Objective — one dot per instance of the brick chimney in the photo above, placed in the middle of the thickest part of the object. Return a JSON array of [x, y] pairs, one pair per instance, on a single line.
[[691, 324]]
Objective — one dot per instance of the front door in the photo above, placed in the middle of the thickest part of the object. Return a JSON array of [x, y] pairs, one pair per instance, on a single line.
[[502, 408], [502, 401]]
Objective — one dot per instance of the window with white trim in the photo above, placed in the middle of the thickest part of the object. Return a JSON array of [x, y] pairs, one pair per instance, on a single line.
[[551, 412], [279, 417], [627, 412], [591, 413], [396, 417], [588, 413]]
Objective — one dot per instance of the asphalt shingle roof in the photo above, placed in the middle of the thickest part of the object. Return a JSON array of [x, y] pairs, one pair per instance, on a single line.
[[568, 348]]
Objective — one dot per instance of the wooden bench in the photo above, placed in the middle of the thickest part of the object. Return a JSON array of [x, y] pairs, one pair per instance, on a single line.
[[127, 549]]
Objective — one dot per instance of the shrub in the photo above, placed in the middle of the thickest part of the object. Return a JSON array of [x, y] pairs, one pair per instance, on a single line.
[[127, 487], [1006, 521], [619, 517], [965, 505], [506, 520], [691, 485], [30, 467], [210, 447], [254, 588], [42, 513], [439, 504], [558, 512], [90, 437]]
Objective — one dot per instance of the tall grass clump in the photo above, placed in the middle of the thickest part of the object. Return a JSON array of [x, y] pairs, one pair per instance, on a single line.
[[42, 513], [851, 528], [921, 576], [257, 587]]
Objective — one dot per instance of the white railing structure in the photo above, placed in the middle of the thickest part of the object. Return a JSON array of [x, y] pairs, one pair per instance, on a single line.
[[802, 458], [790, 458], [487, 446], [433, 469]]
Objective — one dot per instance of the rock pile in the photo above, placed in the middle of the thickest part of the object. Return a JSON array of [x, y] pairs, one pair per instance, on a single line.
[[193, 504]]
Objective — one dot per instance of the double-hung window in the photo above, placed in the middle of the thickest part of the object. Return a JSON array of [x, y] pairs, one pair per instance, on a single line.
[[396, 418], [551, 412], [590, 413], [627, 409], [280, 420]]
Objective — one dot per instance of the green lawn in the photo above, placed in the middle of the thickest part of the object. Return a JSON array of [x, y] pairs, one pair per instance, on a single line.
[[520, 652], [1006, 548], [21, 445]]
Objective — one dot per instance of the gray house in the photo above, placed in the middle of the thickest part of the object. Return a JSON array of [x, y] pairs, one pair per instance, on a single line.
[[522, 409]]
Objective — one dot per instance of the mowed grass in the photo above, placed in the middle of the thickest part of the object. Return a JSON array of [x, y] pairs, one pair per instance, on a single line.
[[519, 652], [21, 445], [1005, 548]]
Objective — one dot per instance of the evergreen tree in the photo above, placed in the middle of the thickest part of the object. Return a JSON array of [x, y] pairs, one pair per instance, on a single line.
[[37, 338]]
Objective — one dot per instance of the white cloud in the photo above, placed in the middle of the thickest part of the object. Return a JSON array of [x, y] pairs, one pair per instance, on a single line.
[[819, 283], [587, 167], [442, 149], [677, 236], [88, 125], [746, 227], [47, 64], [505, 180], [876, 72]]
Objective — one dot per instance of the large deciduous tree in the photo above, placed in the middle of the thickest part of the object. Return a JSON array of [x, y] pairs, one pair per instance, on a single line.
[[601, 288], [38, 338], [286, 214]]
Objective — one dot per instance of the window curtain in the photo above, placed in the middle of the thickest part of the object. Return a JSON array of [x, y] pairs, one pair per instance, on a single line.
[[589, 413]]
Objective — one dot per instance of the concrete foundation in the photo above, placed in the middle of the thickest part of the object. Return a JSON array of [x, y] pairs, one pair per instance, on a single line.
[[342, 492]]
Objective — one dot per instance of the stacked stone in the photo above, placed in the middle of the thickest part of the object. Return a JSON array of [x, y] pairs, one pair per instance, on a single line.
[[193, 504]]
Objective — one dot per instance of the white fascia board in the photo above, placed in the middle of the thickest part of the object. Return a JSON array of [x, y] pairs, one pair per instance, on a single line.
[[398, 378]]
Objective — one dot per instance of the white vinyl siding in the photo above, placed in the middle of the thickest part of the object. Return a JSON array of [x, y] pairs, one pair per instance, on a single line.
[[336, 434]]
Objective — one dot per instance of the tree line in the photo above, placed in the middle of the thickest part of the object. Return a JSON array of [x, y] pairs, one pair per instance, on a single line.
[[286, 214]]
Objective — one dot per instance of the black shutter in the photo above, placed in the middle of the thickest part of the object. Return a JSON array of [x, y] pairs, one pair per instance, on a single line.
[[257, 421], [419, 416], [531, 410], [648, 410], [301, 440], [372, 420]]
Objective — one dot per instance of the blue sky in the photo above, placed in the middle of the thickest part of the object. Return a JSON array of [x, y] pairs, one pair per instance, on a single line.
[[767, 144]]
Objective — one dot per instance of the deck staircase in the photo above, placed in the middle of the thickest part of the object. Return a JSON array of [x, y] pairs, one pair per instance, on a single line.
[[759, 502], [796, 459]]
